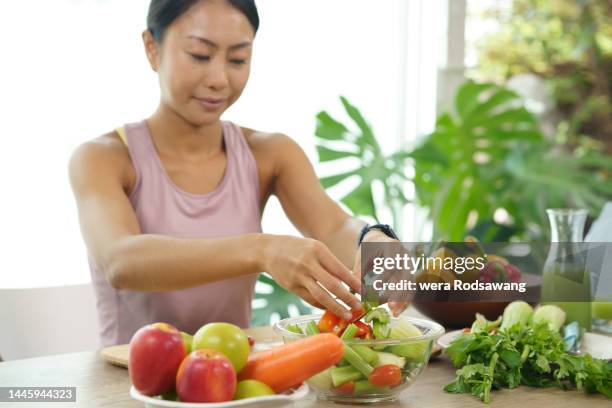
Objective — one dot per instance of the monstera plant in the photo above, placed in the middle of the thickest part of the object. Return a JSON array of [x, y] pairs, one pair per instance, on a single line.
[[498, 174], [337, 142], [485, 170]]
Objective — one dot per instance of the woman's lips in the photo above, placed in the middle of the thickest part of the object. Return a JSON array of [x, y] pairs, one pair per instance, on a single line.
[[211, 104]]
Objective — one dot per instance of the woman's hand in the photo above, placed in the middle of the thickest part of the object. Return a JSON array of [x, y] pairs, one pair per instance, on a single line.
[[308, 268], [392, 248]]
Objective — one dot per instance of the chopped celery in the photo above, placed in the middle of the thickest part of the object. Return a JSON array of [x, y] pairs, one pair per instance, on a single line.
[[379, 314], [349, 332], [411, 350], [381, 330], [369, 355], [322, 380], [311, 328], [356, 361], [294, 328], [380, 320], [366, 387], [341, 375], [390, 358]]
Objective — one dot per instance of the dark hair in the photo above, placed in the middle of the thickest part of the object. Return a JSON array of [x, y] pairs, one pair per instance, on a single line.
[[163, 12]]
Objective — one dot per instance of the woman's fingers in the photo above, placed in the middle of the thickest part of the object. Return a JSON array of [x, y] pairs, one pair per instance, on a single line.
[[304, 294], [329, 303], [333, 285], [336, 268]]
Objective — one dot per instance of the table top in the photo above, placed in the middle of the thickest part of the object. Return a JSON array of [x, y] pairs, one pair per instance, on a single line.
[[100, 384]]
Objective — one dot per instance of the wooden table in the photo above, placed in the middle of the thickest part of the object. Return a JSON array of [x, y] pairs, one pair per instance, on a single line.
[[100, 384]]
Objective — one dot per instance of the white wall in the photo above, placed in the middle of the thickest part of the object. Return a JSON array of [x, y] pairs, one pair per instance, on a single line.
[[37, 322]]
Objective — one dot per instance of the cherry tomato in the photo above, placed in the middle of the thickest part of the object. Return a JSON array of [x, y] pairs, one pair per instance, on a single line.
[[328, 322], [363, 330], [346, 388], [388, 374], [356, 315]]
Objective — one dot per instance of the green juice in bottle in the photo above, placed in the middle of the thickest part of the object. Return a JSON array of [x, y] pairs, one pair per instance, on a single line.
[[565, 279], [569, 291]]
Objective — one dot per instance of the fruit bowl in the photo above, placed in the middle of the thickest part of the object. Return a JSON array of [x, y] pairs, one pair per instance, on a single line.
[[413, 352], [286, 399]]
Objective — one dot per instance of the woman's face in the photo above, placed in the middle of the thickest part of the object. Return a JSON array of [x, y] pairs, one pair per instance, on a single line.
[[203, 61]]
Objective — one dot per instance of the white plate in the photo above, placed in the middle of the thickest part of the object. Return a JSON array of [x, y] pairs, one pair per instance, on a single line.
[[275, 400], [597, 345]]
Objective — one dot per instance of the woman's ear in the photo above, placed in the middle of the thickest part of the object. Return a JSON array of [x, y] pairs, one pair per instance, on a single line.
[[151, 49]]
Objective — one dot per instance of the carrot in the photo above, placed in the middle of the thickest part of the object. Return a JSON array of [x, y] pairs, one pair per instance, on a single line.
[[289, 365]]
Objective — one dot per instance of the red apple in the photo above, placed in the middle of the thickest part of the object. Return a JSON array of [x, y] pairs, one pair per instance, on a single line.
[[155, 354], [206, 375]]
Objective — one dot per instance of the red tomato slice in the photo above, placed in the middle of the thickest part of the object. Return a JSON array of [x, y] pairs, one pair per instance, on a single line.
[[388, 374], [363, 330], [328, 322], [356, 315], [346, 388]]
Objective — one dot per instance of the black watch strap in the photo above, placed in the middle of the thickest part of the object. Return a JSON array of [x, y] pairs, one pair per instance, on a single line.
[[385, 228]]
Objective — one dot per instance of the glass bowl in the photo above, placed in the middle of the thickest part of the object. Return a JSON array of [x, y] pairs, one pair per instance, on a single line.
[[413, 352]]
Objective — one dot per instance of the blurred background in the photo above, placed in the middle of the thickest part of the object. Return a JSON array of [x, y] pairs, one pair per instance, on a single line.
[[457, 117]]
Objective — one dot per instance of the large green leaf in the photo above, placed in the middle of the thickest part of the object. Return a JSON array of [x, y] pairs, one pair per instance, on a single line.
[[327, 154], [367, 136], [335, 142], [360, 200], [328, 128]]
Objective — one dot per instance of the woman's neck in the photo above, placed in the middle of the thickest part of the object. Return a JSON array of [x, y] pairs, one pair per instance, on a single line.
[[173, 134]]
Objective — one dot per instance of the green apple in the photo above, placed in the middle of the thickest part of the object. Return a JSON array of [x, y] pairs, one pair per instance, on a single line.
[[225, 338], [252, 388], [187, 339]]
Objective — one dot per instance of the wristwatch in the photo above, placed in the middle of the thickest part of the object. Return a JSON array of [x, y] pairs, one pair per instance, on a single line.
[[385, 228]]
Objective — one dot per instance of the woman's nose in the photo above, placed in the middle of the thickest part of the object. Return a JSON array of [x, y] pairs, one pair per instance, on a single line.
[[216, 75]]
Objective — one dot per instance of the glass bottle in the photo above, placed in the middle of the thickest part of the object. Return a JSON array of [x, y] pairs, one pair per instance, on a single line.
[[565, 279]]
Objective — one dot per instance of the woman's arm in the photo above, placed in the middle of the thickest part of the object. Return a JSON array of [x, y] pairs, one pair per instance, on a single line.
[[309, 207], [99, 174], [316, 215], [131, 260]]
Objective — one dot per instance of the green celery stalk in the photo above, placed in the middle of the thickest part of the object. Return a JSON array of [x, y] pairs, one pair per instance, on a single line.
[[311, 328], [356, 361], [294, 328], [349, 332], [366, 387], [369, 355], [341, 375]]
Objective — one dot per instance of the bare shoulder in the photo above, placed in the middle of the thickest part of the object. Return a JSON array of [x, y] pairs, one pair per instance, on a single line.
[[106, 154], [272, 145]]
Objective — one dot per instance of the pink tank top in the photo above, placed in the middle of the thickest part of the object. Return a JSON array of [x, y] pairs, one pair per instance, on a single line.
[[163, 208]]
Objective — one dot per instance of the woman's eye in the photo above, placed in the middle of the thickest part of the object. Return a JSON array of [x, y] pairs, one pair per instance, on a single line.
[[200, 57], [238, 61]]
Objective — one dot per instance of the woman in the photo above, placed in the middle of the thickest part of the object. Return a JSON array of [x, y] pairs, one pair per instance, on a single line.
[[170, 207]]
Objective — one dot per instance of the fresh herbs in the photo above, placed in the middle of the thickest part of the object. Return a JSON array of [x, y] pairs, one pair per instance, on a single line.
[[524, 353]]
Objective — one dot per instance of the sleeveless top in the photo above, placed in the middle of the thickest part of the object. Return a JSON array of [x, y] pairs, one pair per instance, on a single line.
[[163, 208]]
